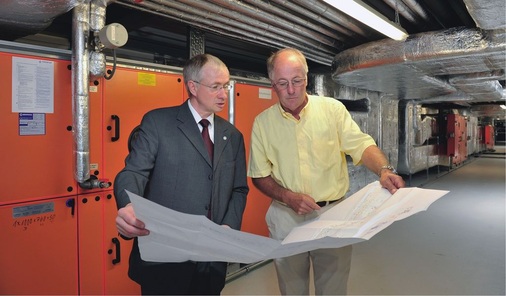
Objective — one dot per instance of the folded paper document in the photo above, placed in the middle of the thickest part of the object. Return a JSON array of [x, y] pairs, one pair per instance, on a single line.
[[178, 237]]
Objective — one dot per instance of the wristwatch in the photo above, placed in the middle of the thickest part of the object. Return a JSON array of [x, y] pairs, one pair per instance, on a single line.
[[387, 167]]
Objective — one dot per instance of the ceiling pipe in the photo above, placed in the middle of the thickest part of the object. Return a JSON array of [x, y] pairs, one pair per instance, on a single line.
[[314, 51], [417, 8], [401, 8], [258, 27], [235, 23], [325, 10], [264, 17], [241, 27], [311, 20]]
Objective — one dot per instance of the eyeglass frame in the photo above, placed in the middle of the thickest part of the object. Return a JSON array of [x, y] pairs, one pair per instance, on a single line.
[[294, 84], [215, 88]]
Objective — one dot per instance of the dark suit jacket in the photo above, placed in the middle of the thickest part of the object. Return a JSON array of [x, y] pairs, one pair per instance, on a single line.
[[169, 164]]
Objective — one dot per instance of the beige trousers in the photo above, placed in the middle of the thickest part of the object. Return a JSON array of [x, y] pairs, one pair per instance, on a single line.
[[331, 267]]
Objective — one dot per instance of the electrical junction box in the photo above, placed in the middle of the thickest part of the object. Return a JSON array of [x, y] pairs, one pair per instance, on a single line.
[[113, 35]]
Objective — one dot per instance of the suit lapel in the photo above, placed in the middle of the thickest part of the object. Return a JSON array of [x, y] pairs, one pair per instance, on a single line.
[[221, 138], [189, 128]]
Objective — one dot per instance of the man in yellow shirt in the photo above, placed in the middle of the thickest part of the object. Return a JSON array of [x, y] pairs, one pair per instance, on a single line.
[[298, 158]]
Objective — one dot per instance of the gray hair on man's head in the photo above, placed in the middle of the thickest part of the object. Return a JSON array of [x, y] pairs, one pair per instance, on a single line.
[[193, 67], [272, 59]]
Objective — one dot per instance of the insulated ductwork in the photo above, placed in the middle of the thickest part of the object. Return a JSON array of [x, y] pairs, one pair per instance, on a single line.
[[418, 68], [19, 18], [488, 15], [87, 17], [80, 93], [418, 148], [454, 65]]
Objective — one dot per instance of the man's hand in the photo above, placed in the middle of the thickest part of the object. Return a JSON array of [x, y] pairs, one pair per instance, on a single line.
[[391, 181], [128, 225], [301, 203]]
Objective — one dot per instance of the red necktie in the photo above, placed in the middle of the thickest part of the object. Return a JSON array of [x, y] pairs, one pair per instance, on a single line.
[[207, 140], [209, 146]]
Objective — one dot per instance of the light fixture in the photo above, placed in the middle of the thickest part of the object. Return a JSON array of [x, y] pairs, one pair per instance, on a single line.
[[365, 14], [502, 106]]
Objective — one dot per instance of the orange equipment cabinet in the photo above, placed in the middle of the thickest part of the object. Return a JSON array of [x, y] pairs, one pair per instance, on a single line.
[[250, 100], [127, 97], [38, 254], [456, 138], [118, 254], [41, 169], [36, 166], [72, 246], [124, 100], [101, 249], [488, 137]]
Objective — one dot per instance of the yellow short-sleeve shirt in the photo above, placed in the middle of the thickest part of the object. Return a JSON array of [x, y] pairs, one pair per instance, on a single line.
[[307, 155]]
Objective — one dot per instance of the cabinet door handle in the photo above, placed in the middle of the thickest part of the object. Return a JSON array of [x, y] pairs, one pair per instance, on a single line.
[[71, 203], [116, 128], [116, 260]]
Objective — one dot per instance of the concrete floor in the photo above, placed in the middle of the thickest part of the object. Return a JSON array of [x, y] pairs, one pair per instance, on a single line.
[[456, 247]]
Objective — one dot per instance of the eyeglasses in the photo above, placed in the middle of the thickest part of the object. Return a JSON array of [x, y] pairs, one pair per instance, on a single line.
[[283, 84], [216, 87]]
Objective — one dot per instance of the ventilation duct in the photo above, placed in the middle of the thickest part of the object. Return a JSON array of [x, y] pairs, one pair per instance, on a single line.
[[24, 17], [419, 67]]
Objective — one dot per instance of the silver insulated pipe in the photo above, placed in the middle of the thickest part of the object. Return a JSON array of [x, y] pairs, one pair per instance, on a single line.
[[80, 95]]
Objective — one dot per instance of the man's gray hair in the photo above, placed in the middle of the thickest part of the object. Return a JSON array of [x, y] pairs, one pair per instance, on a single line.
[[193, 67], [272, 59]]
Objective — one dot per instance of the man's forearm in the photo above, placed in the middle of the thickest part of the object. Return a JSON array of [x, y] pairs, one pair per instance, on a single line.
[[373, 158], [268, 186]]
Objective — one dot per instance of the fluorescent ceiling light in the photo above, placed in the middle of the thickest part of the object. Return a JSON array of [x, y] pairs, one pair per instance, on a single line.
[[502, 106], [365, 14]]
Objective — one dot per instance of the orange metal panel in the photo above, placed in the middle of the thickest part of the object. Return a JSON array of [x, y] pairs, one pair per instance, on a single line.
[[456, 138], [129, 95], [117, 252], [38, 254], [98, 274], [489, 138], [248, 105], [91, 237], [451, 129], [463, 139], [37, 166]]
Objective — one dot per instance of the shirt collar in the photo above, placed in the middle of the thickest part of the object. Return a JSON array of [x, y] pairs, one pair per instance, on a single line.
[[197, 117], [287, 114]]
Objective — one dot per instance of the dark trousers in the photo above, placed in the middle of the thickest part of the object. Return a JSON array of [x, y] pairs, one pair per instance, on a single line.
[[183, 278], [201, 278]]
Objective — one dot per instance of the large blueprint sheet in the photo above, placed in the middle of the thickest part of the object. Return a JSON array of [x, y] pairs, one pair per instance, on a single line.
[[177, 237]]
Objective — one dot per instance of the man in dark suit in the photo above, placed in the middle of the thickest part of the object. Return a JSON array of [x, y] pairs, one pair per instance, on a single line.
[[170, 165]]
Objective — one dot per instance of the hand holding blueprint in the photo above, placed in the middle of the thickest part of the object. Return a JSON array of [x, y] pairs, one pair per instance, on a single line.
[[178, 237]]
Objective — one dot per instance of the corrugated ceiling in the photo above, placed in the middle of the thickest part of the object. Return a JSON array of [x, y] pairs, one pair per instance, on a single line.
[[244, 33]]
